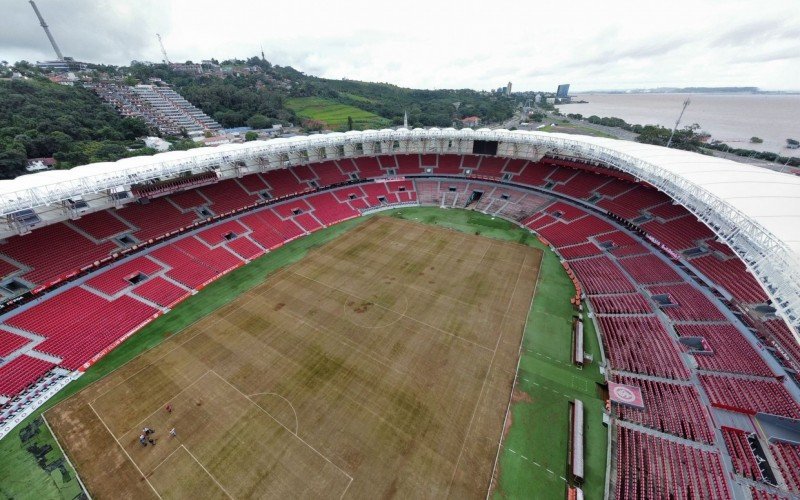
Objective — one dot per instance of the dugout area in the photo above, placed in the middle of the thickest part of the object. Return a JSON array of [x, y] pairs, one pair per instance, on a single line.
[[380, 364]]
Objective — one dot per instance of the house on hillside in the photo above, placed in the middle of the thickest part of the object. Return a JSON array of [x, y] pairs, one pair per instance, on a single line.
[[471, 121], [38, 164]]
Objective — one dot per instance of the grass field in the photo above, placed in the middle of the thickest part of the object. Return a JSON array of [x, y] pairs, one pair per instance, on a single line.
[[335, 114], [538, 429], [379, 365], [533, 461], [22, 477]]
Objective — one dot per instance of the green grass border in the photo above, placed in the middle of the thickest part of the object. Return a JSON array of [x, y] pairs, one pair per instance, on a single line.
[[532, 432]]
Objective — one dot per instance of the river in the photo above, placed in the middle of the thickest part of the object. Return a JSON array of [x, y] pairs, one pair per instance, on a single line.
[[731, 118]]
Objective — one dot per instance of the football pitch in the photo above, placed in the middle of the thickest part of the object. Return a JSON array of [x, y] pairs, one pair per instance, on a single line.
[[380, 364]]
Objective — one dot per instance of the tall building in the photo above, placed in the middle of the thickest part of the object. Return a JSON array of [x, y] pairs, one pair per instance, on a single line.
[[508, 89], [562, 93]]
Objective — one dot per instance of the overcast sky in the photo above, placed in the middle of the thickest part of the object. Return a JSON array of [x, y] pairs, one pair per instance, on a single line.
[[439, 44]]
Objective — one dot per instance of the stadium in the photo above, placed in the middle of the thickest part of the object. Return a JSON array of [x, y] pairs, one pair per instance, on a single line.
[[412, 313]]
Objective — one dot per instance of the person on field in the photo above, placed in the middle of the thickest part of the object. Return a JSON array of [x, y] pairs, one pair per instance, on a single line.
[[143, 440], [168, 408], [172, 432]]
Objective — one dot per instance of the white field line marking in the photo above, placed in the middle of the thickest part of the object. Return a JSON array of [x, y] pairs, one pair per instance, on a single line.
[[296, 421], [402, 315], [124, 451], [346, 488], [162, 405], [516, 374], [279, 423], [207, 472], [483, 387], [165, 459], [189, 339]]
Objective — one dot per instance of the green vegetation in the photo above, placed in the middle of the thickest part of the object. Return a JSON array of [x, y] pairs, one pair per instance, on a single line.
[[39, 118], [269, 92], [690, 138], [429, 108], [576, 129], [540, 423], [323, 113], [21, 477], [539, 426]]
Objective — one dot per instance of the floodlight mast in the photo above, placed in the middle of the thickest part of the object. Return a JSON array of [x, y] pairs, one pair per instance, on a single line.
[[685, 104], [47, 31]]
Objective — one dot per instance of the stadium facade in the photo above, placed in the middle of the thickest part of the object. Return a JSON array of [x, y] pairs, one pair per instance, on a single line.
[[755, 211]]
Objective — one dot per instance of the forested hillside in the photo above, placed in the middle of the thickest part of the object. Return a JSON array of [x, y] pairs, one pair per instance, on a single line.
[[234, 100], [39, 118]]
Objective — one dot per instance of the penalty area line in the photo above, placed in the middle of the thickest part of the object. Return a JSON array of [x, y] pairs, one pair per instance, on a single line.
[[125, 451]]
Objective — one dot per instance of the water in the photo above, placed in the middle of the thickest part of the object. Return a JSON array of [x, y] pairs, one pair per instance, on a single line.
[[731, 118]]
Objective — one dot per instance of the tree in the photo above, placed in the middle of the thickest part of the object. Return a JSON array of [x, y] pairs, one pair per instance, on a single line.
[[258, 122], [538, 116], [756, 140], [349, 123], [250, 136]]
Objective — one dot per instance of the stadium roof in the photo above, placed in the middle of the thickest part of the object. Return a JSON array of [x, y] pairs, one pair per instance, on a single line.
[[755, 210]]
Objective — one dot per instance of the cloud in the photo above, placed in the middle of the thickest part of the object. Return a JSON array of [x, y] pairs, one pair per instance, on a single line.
[[96, 31], [442, 44]]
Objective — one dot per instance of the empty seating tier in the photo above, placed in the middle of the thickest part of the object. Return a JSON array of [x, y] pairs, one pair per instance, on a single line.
[[787, 456], [161, 292], [117, 279], [222, 232], [750, 396], [650, 467], [629, 303], [157, 218], [781, 333], [576, 231], [599, 275], [732, 275], [580, 250], [648, 269], [742, 456], [20, 373], [729, 350], [671, 408], [10, 342], [689, 303], [245, 248], [100, 225], [641, 345], [54, 252]]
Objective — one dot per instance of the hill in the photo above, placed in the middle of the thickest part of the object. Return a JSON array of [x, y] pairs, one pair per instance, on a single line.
[[333, 115], [39, 118]]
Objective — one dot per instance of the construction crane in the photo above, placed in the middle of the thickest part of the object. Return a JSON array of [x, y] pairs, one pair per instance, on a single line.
[[59, 55], [678, 121], [163, 50]]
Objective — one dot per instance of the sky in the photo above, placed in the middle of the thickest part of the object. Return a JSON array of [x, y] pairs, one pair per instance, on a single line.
[[592, 45]]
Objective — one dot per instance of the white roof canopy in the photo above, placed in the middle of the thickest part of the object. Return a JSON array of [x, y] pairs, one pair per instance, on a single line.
[[754, 210]]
